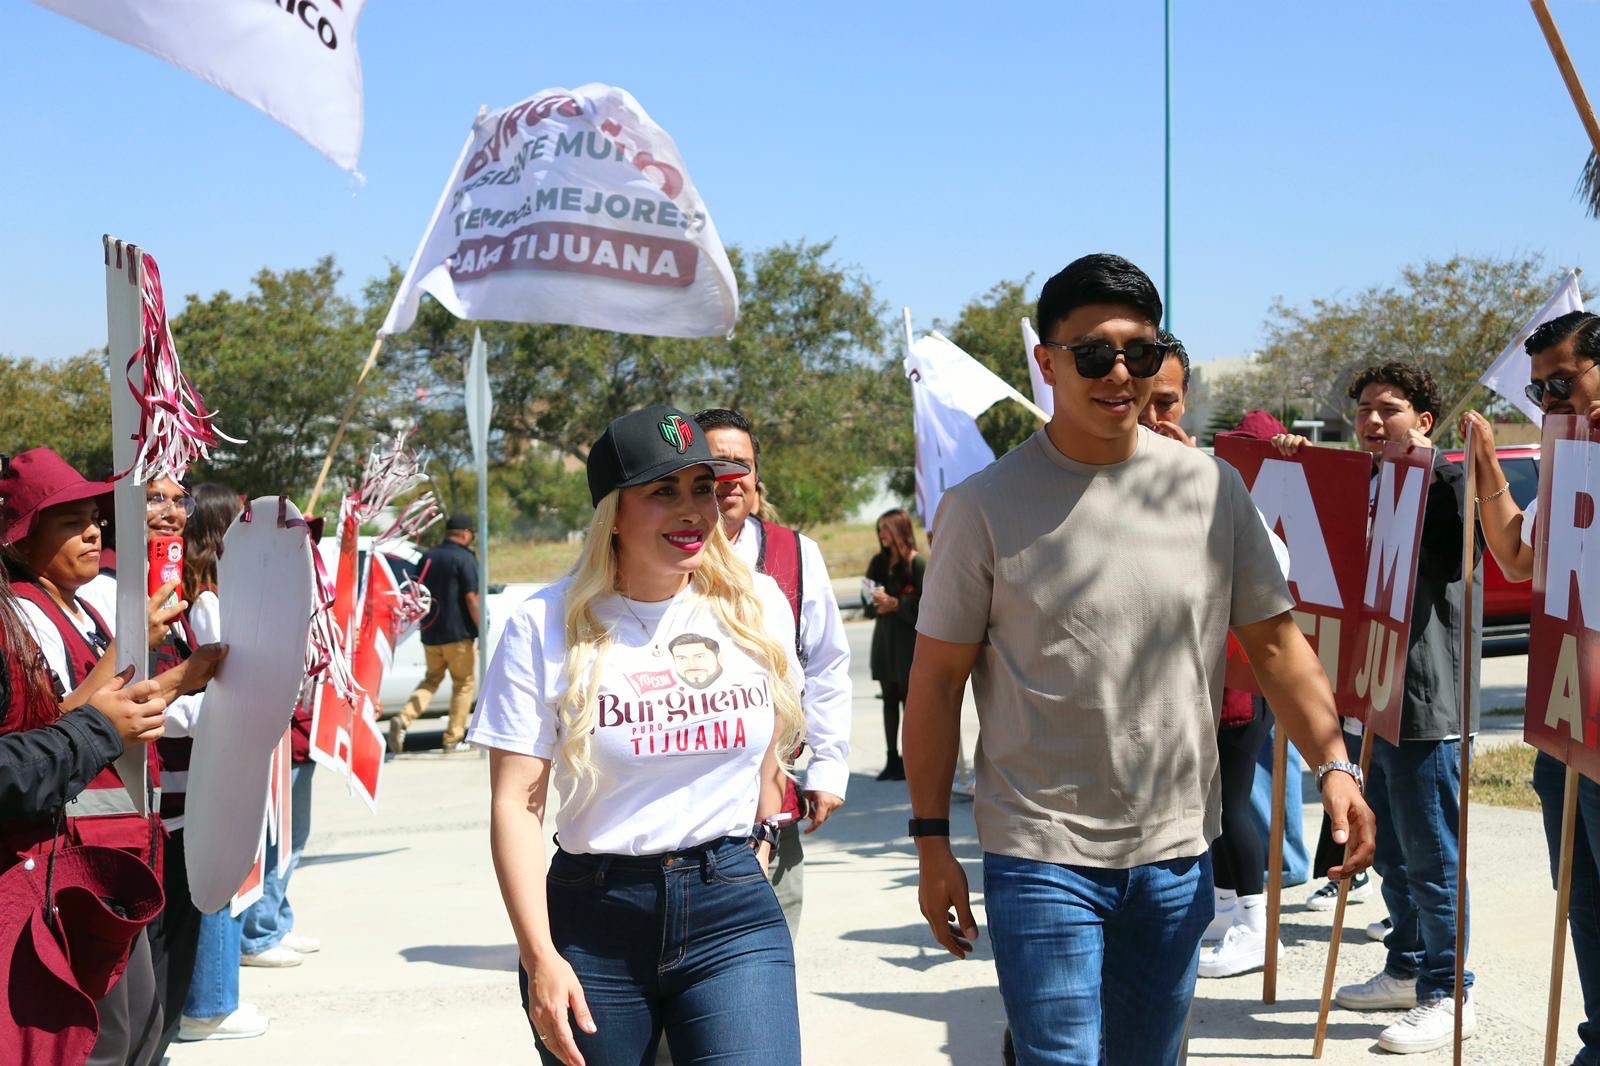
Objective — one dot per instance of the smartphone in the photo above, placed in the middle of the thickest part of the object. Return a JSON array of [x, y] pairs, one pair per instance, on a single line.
[[166, 565]]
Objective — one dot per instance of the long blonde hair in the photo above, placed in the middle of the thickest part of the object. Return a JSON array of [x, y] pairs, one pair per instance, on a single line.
[[727, 586]]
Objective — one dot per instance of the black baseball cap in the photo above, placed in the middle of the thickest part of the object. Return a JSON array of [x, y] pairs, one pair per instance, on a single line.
[[648, 445], [458, 521]]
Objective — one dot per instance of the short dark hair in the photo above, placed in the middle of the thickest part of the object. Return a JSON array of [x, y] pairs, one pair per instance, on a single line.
[[727, 418], [1101, 278], [693, 638], [1178, 350], [1417, 384], [1582, 324]]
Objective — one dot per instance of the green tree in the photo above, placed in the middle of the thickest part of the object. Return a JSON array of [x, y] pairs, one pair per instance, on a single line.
[[1451, 317], [65, 406], [989, 329], [278, 366], [806, 364]]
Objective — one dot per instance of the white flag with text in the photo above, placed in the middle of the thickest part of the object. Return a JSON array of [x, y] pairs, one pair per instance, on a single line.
[[293, 59], [573, 207], [1508, 374], [949, 390]]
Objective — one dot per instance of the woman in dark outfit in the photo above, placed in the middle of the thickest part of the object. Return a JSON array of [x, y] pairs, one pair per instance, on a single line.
[[896, 576]]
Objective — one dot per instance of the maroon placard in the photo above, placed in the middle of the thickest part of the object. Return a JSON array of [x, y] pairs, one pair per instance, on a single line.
[[1562, 715], [1317, 502], [1404, 477]]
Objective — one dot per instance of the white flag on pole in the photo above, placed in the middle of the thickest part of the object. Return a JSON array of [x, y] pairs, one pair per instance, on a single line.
[[1508, 374], [1042, 394], [949, 390], [294, 59], [573, 207]]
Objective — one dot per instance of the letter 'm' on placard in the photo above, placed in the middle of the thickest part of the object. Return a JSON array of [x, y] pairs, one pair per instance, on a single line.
[[1394, 541], [1574, 550], [1282, 495]]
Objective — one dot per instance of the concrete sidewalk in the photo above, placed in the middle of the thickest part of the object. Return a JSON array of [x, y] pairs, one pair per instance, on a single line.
[[418, 964]]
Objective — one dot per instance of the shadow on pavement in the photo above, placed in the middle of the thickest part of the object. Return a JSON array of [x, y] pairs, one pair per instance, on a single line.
[[468, 956], [1284, 1020], [346, 856], [974, 1018]]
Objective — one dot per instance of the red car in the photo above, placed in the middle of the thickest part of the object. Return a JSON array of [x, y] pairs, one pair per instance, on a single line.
[[1506, 604]]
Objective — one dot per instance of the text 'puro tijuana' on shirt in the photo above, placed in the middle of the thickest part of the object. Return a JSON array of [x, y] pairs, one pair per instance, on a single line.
[[683, 718], [1102, 598]]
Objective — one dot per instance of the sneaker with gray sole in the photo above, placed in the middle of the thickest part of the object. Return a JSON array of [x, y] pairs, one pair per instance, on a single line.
[[1383, 992]]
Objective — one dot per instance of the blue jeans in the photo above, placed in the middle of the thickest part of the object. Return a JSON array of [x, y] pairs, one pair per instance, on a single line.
[[270, 918], [691, 943], [1094, 960], [214, 988], [1415, 791], [1296, 857], [1583, 913]]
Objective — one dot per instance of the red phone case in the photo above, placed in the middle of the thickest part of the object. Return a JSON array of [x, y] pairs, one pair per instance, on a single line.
[[166, 562]]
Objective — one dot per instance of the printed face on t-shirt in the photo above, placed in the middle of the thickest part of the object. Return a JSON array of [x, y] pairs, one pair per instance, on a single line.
[[695, 660]]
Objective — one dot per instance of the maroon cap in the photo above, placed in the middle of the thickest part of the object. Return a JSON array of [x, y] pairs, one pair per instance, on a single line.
[[1257, 424], [36, 479]]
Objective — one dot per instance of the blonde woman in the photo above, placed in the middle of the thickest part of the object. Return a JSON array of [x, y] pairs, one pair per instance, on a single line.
[[657, 684]]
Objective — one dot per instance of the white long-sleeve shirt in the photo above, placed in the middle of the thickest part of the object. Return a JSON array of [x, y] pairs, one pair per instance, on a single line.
[[828, 692]]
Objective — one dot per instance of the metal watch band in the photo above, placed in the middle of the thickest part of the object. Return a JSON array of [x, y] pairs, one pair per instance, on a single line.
[[1348, 767], [929, 827]]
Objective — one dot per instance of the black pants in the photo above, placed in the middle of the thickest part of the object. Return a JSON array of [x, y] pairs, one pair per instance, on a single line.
[[1237, 858], [130, 1015], [174, 939], [894, 694]]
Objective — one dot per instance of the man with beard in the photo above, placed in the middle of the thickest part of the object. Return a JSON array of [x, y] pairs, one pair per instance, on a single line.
[[695, 659]]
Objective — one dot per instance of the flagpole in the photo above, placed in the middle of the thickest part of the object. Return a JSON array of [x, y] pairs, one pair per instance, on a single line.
[[1569, 74], [338, 435], [1166, 280]]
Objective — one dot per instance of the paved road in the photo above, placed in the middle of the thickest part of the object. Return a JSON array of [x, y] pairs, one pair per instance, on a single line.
[[418, 963]]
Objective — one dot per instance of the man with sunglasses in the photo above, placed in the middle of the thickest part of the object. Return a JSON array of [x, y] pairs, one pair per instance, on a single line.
[[1086, 582], [1565, 352]]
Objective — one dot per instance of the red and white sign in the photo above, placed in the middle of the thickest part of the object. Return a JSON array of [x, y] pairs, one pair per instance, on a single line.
[[1563, 707], [333, 717], [573, 207], [1317, 502], [1384, 630], [293, 59]]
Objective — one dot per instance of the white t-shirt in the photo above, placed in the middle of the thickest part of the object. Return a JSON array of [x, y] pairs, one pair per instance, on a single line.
[[49, 638], [680, 731]]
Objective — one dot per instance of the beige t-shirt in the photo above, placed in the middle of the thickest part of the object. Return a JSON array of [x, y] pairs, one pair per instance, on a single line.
[[1102, 596]]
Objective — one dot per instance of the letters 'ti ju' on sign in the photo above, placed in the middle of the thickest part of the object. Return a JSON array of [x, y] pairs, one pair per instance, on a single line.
[[1563, 706]]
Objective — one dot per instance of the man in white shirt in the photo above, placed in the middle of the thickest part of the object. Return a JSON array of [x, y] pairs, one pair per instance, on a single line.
[[796, 563]]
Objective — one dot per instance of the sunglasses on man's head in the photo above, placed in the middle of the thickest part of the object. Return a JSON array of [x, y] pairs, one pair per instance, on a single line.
[[1094, 359], [1558, 388]]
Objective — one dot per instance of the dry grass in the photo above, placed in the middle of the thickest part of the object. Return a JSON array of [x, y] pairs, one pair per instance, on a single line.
[[847, 547], [1504, 777]]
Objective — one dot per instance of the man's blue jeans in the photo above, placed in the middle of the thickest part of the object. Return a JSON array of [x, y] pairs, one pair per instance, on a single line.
[[1296, 857], [1415, 791], [1085, 953], [270, 918], [692, 943], [1583, 913], [214, 988]]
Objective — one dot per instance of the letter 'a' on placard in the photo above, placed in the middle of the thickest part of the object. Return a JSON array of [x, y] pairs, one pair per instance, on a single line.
[[1317, 502], [1384, 628], [1562, 717], [573, 207], [265, 572]]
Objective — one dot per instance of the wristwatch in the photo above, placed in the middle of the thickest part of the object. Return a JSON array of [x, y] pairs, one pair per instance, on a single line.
[[1348, 767], [929, 827], [764, 833]]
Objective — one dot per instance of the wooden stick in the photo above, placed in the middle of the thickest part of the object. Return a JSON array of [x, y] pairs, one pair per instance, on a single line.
[[1280, 781], [1469, 543], [1569, 74], [1338, 926], [1558, 949], [338, 435]]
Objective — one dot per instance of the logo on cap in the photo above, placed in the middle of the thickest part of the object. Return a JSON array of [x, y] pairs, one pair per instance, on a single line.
[[676, 432]]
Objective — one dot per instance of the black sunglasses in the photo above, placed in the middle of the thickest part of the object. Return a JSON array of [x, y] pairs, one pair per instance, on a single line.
[[1559, 388], [1096, 358]]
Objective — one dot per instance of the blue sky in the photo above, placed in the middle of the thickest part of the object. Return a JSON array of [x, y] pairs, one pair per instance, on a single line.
[[942, 146]]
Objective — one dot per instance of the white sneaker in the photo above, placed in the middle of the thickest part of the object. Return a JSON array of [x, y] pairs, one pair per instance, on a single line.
[[305, 945], [1242, 950], [1326, 898], [1220, 924], [240, 1025], [278, 955], [1429, 1026], [1383, 992], [1380, 930]]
